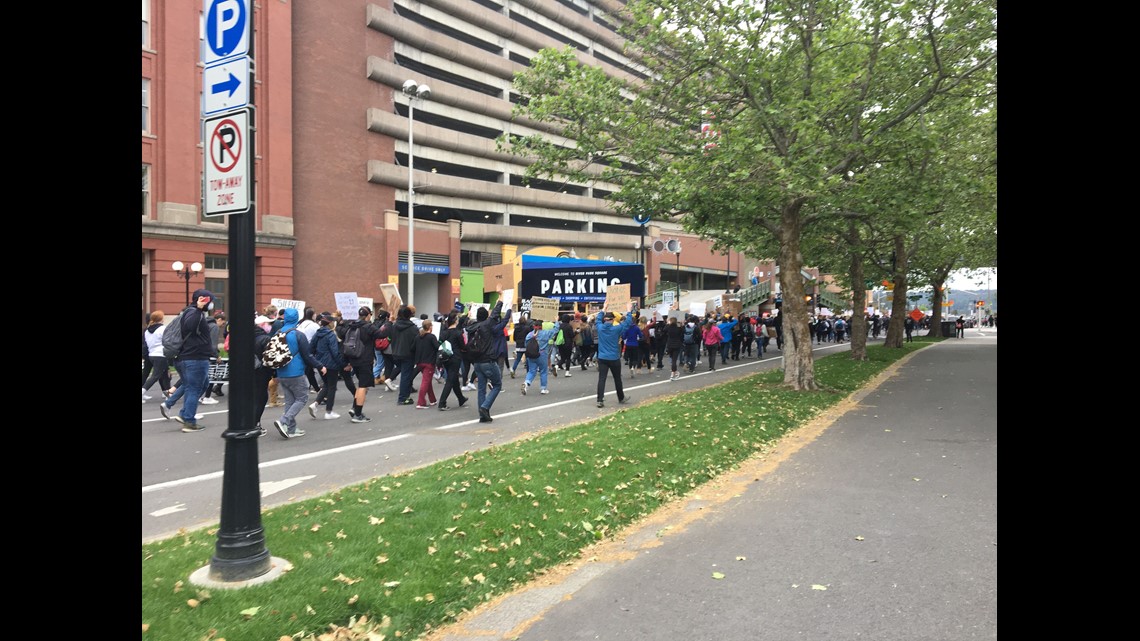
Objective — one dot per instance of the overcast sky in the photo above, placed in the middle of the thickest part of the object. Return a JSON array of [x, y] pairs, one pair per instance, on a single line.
[[965, 279]]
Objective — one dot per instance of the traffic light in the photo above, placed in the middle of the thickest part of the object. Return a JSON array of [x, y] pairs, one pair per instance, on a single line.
[[980, 303]]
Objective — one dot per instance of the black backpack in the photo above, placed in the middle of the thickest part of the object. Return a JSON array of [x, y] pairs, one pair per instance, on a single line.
[[353, 347], [480, 341], [532, 348]]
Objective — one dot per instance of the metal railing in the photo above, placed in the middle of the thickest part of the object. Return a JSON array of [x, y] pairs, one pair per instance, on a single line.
[[662, 287]]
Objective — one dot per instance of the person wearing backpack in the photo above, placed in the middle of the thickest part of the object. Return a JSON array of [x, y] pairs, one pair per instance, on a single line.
[[482, 350], [192, 359], [589, 335], [291, 376], [358, 340], [738, 337], [747, 333], [453, 334], [691, 342], [537, 361]]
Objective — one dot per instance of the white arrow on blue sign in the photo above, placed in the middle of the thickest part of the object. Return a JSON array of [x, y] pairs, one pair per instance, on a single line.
[[225, 86], [228, 24]]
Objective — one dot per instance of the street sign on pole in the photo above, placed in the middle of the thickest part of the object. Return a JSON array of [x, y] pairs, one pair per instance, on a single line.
[[228, 184], [227, 28], [225, 86]]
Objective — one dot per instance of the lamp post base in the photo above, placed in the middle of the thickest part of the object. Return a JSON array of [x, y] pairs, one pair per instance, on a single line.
[[277, 567]]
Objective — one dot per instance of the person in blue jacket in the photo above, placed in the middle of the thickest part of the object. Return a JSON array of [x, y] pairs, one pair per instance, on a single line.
[[609, 353], [540, 365], [725, 327], [291, 377]]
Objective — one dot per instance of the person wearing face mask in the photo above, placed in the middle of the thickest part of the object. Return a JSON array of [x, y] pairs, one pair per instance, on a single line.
[[195, 362]]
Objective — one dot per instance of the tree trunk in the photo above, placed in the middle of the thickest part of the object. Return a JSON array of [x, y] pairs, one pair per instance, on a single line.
[[898, 301], [936, 312], [799, 364], [858, 324]]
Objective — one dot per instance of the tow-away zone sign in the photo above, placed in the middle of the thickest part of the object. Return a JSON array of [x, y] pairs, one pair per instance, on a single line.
[[228, 187]]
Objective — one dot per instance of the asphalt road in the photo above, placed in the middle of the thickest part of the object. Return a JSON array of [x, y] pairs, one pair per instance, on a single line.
[[182, 473]]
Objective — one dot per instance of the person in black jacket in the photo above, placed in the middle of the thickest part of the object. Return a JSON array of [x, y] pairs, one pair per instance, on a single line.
[[566, 349], [522, 328], [451, 333], [326, 348], [261, 374], [486, 368], [362, 366], [403, 337], [193, 362], [425, 350]]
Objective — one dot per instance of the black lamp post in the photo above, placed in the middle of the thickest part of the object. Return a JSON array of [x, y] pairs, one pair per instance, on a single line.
[[190, 270]]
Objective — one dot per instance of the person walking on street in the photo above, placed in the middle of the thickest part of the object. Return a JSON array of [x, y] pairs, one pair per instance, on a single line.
[[403, 341], [673, 338], [712, 339], [326, 349], [691, 342], [217, 336], [426, 349], [291, 377], [960, 327], [483, 362], [194, 359], [725, 327], [589, 334], [454, 336], [309, 326], [631, 337], [540, 364], [908, 326], [566, 347], [261, 374], [160, 368], [522, 328], [609, 352], [361, 365]]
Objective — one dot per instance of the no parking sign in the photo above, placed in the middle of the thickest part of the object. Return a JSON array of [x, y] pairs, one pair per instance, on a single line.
[[229, 151]]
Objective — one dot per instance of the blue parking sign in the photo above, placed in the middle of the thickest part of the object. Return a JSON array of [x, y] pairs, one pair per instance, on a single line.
[[227, 29]]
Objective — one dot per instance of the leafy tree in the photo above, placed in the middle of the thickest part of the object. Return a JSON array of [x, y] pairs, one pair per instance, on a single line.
[[754, 115]]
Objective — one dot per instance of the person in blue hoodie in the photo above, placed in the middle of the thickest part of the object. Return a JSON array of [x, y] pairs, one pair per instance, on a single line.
[[291, 378], [540, 365], [725, 327], [609, 353]]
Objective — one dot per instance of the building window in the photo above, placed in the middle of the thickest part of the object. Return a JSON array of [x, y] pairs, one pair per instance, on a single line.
[[145, 105], [216, 269], [146, 191], [145, 22]]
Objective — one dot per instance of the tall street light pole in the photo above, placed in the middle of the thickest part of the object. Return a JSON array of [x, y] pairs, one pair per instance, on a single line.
[[413, 90], [191, 270]]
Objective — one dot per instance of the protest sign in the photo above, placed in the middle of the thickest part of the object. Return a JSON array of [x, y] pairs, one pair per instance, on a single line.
[[617, 298], [545, 309]]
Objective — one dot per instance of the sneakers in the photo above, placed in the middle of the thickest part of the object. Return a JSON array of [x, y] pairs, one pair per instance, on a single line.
[[331, 415], [524, 386], [312, 409], [512, 376], [544, 391], [422, 407], [601, 404], [470, 387], [147, 397], [407, 401], [360, 418], [392, 387], [484, 416], [297, 432], [208, 401], [262, 429], [281, 429], [624, 401], [191, 427], [162, 408], [567, 373], [673, 377], [443, 408]]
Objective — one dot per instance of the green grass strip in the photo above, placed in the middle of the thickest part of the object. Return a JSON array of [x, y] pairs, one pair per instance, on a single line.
[[411, 552]]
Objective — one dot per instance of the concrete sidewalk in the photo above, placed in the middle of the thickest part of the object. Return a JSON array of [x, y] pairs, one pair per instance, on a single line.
[[875, 521]]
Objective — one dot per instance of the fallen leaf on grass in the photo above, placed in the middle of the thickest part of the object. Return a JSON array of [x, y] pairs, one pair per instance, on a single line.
[[407, 509], [316, 526], [309, 609], [249, 613], [192, 603], [354, 599], [372, 520], [345, 580]]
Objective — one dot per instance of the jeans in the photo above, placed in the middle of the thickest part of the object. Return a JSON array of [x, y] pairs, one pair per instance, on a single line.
[[611, 367], [484, 372], [328, 391], [296, 392], [539, 365], [673, 353], [195, 374], [692, 352], [724, 349], [518, 359], [407, 373], [378, 368]]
